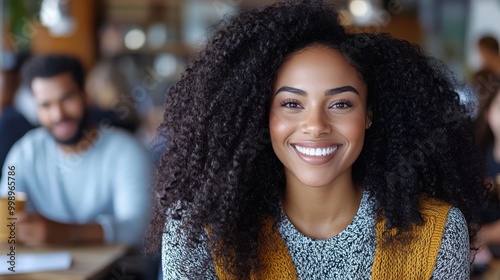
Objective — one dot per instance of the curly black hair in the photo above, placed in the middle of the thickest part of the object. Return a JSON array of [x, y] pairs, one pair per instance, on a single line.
[[220, 171], [422, 137]]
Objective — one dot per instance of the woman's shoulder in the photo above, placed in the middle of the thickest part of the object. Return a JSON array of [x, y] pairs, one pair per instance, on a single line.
[[453, 257], [456, 225], [438, 211], [179, 260], [434, 207]]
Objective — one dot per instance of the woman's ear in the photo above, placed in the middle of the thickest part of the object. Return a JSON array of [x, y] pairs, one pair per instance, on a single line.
[[369, 118]]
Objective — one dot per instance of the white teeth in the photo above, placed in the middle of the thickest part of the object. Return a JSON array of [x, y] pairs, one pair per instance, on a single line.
[[316, 151]]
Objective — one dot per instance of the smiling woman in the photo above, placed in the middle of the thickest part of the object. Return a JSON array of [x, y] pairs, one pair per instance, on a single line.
[[320, 106], [317, 123], [370, 170]]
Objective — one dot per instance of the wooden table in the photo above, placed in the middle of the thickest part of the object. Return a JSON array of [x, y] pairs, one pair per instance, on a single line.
[[89, 262]]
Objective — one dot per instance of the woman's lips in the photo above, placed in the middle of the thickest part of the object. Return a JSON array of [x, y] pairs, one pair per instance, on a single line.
[[316, 153]]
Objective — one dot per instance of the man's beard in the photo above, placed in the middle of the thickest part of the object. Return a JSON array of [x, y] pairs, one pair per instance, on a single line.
[[82, 125]]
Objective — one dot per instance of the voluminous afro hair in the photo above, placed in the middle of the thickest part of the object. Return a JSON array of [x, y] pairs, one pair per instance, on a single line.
[[220, 171], [422, 138]]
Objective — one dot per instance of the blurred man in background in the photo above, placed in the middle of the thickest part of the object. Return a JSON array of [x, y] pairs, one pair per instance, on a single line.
[[85, 182]]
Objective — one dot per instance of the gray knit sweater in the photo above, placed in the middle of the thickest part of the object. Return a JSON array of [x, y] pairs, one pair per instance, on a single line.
[[348, 255]]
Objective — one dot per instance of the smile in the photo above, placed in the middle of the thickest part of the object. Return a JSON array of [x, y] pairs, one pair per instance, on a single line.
[[317, 152]]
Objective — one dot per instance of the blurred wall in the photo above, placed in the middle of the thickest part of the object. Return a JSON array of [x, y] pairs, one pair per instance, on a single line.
[[81, 43], [484, 20]]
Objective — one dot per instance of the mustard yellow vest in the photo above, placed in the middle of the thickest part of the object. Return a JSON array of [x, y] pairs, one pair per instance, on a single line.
[[415, 261]]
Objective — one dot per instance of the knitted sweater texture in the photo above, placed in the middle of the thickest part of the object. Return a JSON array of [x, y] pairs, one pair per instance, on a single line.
[[415, 260], [353, 254]]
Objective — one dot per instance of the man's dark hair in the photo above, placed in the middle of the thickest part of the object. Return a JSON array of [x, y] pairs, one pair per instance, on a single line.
[[490, 43], [48, 66]]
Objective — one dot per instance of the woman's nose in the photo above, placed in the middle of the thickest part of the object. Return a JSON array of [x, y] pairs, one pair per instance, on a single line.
[[316, 123]]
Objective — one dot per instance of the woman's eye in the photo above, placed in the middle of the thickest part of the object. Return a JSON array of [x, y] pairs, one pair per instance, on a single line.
[[341, 105], [291, 104]]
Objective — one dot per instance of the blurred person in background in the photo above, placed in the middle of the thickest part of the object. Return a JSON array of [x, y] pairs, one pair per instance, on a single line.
[[13, 125], [488, 126], [488, 137], [490, 57], [108, 93], [86, 183]]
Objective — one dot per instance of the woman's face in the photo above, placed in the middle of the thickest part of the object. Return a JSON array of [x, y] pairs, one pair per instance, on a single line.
[[493, 116], [318, 116]]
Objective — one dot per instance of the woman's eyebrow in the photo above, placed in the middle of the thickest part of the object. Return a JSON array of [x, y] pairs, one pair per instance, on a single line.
[[331, 91], [338, 90], [291, 90]]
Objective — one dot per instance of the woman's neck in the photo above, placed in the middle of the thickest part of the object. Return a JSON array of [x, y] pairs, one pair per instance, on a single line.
[[322, 212]]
